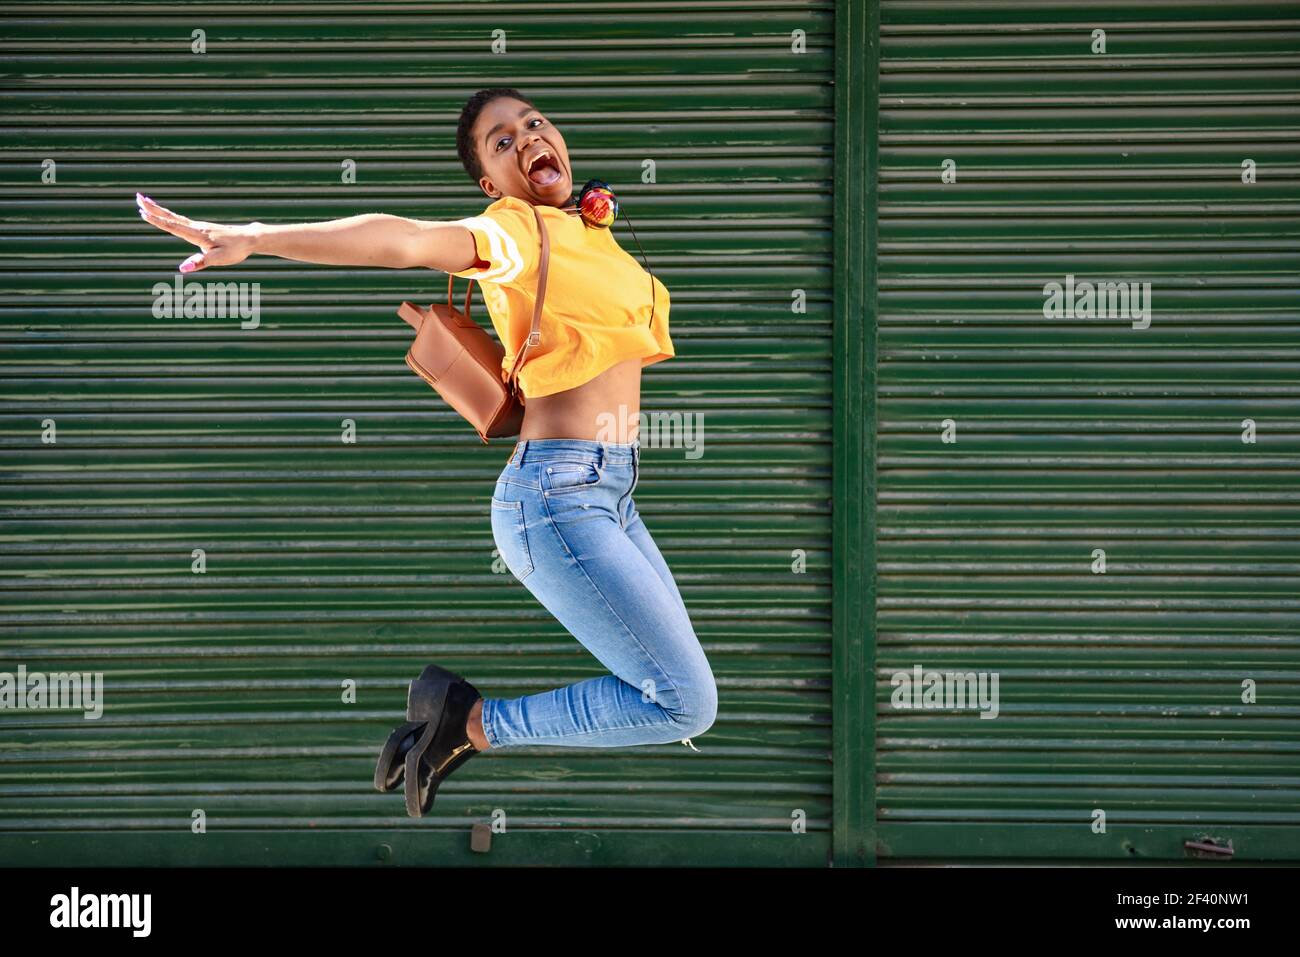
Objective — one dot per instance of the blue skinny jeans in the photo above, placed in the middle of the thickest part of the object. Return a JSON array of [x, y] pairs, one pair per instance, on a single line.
[[566, 527]]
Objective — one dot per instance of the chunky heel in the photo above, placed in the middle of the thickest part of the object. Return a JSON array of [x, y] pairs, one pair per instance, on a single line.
[[425, 691]]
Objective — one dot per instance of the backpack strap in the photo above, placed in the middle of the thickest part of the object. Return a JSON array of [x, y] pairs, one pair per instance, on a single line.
[[535, 333], [468, 289]]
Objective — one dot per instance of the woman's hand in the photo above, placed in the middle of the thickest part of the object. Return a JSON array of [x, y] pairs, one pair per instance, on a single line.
[[219, 245]]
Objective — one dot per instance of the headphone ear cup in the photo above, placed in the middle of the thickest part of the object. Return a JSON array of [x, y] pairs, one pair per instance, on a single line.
[[597, 204]]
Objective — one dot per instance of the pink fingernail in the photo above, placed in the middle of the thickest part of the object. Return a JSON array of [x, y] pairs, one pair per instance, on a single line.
[[187, 266]]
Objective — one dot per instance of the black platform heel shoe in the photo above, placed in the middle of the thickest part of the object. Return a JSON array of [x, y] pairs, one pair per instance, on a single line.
[[444, 701], [390, 770]]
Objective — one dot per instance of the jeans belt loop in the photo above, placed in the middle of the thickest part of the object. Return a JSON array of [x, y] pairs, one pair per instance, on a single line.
[[520, 446]]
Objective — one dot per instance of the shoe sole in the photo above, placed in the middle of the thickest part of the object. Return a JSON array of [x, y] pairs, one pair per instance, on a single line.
[[427, 702], [387, 777]]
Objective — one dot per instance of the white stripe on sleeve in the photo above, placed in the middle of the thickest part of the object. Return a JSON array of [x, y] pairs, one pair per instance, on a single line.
[[507, 260]]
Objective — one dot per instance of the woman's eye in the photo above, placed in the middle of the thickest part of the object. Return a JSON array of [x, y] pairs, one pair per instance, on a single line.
[[505, 139]]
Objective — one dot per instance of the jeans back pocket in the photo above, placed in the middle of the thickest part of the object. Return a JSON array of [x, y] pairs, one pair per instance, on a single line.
[[511, 537]]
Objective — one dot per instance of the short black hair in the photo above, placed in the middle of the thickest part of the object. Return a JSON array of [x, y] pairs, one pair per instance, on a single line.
[[465, 146]]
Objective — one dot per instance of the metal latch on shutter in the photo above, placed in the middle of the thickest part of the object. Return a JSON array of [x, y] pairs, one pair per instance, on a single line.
[[1208, 847]]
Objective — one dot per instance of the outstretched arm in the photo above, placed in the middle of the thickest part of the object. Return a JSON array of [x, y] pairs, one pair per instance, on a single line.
[[371, 239]]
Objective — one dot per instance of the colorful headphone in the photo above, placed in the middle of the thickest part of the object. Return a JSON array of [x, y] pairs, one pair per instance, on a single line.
[[599, 207], [596, 204]]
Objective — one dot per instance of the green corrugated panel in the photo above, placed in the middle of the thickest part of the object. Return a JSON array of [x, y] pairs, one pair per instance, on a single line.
[[328, 561], [1119, 691]]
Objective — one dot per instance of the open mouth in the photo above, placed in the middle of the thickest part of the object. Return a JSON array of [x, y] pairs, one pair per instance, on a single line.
[[544, 169]]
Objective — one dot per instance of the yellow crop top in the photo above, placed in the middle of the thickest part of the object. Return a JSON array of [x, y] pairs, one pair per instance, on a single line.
[[598, 301]]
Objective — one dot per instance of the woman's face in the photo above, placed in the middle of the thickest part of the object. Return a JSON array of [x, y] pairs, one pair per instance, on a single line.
[[522, 154]]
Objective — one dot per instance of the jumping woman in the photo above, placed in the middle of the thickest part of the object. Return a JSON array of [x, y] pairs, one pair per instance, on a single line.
[[562, 513]]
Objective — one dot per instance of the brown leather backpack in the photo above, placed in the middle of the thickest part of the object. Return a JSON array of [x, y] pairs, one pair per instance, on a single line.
[[462, 362]]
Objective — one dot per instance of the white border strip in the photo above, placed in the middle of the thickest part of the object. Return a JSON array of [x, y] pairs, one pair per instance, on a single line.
[[509, 261]]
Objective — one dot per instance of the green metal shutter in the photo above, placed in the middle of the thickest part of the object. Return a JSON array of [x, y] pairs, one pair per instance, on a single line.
[[1120, 691], [329, 562]]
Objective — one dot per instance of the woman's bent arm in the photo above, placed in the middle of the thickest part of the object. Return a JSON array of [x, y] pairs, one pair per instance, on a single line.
[[371, 239]]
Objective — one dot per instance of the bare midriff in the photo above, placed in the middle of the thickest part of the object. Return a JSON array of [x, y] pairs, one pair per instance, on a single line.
[[604, 409]]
